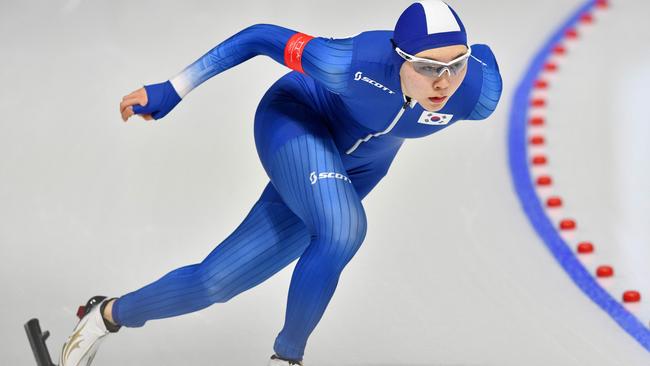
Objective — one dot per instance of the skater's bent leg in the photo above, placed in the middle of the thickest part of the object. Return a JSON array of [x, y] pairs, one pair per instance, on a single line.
[[270, 237], [308, 173]]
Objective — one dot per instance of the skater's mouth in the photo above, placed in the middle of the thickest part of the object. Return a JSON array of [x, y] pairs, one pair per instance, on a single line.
[[437, 100]]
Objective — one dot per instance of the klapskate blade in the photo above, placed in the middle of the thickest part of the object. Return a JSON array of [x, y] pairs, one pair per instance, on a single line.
[[37, 341]]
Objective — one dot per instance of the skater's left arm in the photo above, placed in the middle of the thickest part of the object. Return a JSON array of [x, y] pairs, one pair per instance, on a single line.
[[479, 94]]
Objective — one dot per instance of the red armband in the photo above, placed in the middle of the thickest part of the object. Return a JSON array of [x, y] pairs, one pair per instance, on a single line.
[[293, 51]]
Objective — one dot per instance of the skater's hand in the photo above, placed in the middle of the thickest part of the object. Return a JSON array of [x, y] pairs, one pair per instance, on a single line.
[[151, 102], [128, 101]]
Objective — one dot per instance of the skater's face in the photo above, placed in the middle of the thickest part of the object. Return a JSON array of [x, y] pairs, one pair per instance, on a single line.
[[432, 91]]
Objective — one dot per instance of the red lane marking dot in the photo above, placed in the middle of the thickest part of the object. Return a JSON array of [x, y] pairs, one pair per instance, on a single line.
[[550, 66], [567, 224], [539, 160], [602, 4], [538, 102], [554, 202], [604, 271], [537, 140], [585, 247], [571, 33], [631, 296], [544, 180], [587, 18], [559, 50], [541, 84], [536, 121]]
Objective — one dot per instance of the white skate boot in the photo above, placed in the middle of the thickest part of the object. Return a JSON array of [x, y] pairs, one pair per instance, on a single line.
[[81, 346], [277, 361]]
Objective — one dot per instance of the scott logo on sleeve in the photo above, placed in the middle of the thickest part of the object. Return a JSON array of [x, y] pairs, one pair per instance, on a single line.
[[435, 119]]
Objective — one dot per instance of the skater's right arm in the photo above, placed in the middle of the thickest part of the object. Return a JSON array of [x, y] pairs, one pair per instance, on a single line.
[[327, 60]]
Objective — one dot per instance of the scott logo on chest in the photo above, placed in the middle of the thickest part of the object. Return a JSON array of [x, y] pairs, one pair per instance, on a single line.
[[359, 76]]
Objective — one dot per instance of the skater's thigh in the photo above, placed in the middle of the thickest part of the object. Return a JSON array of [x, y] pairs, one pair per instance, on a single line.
[[305, 167], [282, 116]]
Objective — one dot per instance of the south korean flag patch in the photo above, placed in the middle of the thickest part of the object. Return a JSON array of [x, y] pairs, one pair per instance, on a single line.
[[435, 119]]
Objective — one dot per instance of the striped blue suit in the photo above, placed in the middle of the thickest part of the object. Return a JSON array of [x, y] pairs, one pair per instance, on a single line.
[[325, 135]]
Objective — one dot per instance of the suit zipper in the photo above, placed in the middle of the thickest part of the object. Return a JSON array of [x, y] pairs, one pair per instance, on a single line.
[[407, 101]]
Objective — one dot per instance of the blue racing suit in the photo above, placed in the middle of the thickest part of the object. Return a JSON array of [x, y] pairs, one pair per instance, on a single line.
[[326, 133]]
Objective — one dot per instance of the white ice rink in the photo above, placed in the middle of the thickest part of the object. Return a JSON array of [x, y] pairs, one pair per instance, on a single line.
[[451, 271]]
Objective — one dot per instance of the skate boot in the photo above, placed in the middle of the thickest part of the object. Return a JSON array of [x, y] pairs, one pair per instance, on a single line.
[[82, 345], [277, 361]]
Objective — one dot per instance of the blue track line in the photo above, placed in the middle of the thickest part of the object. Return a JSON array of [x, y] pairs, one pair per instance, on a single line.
[[523, 184]]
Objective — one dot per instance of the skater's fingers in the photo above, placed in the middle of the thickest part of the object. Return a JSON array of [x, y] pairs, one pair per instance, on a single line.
[[138, 93], [126, 113], [129, 102], [141, 95]]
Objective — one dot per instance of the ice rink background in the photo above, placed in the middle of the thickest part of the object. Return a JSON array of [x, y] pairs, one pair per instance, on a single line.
[[450, 273]]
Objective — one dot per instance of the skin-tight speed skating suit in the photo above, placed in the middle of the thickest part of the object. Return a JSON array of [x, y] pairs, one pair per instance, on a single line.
[[326, 133]]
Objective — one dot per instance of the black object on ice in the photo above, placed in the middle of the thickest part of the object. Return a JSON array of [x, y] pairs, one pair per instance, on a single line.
[[37, 341]]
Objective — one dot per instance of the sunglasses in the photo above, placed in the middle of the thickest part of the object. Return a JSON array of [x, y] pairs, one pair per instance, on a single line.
[[435, 69]]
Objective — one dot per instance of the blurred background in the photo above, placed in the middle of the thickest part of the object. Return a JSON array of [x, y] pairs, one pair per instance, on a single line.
[[450, 274]]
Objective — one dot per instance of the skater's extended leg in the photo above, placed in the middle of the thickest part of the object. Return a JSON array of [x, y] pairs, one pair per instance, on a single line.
[[270, 237]]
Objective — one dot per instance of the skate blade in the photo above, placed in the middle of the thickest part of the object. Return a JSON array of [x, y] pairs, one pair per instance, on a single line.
[[37, 340]]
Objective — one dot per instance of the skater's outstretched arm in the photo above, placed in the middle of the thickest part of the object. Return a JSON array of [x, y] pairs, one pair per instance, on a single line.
[[327, 60], [480, 92]]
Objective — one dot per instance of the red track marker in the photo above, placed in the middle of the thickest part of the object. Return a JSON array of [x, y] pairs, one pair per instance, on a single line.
[[544, 180], [604, 271], [538, 102], [541, 84], [571, 33], [631, 296], [554, 202], [539, 160], [536, 121], [550, 66], [587, 18], [537, 140], [585, 247], [567, 224]]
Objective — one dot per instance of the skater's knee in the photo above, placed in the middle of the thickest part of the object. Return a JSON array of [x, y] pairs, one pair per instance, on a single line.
[[214, 289], [339, 242], [352, 232], [347, 229], [358, 231]]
